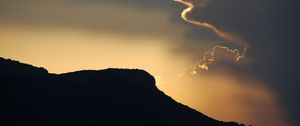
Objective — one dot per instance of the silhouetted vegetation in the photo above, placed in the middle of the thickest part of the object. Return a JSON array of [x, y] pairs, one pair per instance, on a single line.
[[109, 97]]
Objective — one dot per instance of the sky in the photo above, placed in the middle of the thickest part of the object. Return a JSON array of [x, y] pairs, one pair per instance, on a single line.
[[233, 60]]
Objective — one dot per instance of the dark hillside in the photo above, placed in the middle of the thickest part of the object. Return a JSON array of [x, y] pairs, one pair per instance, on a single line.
[[34, 97]]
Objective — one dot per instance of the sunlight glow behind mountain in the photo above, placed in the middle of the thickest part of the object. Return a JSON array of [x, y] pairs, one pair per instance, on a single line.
[[87, 35]]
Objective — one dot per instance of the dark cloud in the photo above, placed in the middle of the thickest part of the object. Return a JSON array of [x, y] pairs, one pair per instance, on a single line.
[[102, 15], [271, 28], [126, 17]]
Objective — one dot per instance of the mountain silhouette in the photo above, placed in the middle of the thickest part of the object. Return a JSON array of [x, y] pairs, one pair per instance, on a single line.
[[110, 97]]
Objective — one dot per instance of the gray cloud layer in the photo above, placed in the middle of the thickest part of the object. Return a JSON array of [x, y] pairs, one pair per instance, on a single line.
[[110, 16], [271, 28]]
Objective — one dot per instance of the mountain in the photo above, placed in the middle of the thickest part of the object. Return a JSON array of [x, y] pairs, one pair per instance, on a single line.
[[111, 97]]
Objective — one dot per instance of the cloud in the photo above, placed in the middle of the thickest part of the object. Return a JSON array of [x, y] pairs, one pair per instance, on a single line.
[[128, 17], [192, 4], [210, 56], [271, 28], [219, 54]]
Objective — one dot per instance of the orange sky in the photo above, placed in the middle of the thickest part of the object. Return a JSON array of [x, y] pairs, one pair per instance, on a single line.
[[220, 94]]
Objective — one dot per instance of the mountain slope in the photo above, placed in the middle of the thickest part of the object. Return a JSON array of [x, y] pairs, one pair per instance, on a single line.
[[86, 98]]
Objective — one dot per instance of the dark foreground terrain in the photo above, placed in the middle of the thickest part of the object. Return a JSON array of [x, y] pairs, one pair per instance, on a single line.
[[34, 97]]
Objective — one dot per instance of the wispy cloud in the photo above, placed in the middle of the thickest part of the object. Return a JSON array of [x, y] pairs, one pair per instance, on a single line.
[[209, 57]]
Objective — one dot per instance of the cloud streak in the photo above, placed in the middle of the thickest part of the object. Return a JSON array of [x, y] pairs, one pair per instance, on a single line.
[[209, 57]]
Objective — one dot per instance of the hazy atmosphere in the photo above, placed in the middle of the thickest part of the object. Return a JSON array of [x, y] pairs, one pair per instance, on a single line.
[[235, 60]]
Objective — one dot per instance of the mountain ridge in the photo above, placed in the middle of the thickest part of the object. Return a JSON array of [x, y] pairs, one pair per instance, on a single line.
[[91, 97]]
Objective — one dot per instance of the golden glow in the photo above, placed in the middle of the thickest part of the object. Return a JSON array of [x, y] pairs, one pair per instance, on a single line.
[[69, 50], [220, 95], [224, 96], [123, 43]]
